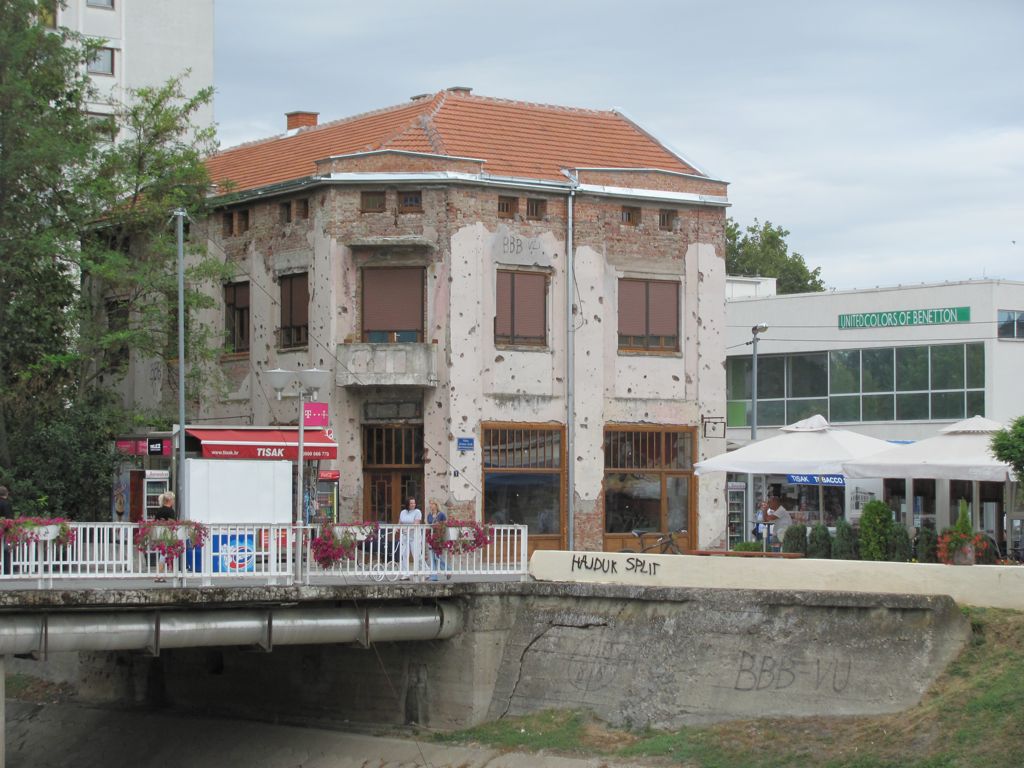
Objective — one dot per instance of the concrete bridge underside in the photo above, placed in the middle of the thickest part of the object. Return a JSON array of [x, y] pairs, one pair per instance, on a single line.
[[635, 656]]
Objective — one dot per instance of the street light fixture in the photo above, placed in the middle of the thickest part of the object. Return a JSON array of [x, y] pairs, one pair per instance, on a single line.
[[310, 381]]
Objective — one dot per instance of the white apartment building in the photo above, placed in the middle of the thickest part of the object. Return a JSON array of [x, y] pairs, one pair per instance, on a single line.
[[146, 42]]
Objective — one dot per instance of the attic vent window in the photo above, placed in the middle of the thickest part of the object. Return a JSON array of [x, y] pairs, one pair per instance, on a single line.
[[536, 208], [372, 202], [630, 216], [508, 207]]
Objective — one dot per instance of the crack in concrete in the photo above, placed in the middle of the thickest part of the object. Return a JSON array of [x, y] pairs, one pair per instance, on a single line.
[[526, 649]]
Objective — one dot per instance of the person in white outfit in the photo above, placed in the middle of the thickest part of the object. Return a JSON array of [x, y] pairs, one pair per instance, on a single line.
[[779, 517], [410, 540]]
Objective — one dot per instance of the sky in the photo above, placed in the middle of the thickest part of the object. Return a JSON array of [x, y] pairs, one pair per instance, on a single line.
[[887, 136]]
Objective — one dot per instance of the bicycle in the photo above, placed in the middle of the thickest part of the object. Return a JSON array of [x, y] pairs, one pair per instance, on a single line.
[[665, 544]]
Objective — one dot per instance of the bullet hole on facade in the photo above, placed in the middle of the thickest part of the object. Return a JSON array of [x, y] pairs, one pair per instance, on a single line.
[[675, 378], [499, 359]]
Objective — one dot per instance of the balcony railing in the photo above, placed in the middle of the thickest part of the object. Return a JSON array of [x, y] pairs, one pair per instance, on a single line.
[[382, 365], [255, 554]]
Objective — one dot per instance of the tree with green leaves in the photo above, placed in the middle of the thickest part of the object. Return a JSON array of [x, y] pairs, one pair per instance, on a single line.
[[1008, 446], [761, 250], [875, 525], [87, 256]]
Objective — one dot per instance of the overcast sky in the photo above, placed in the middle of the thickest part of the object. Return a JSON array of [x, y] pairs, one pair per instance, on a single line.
[[886, 136]]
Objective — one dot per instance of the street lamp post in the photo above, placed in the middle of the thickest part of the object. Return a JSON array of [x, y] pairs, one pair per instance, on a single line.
[[310, 382], [756, 331]]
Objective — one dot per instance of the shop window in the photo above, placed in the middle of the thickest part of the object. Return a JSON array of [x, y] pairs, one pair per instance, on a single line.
[[508, 207], [236, 317], [294, 329], [392, 304], [912, 407], [648, 315], [975, 362], [844, 371], [878, 407], [844, 408], [521, 308], [648, 479], [878, 370], [410, 201], [372, 202], [807, 375], [102, 63], [524, 472], [667, 218], [536, 208], [911, 369], [947, 367], [1011, 324], [948, 405]]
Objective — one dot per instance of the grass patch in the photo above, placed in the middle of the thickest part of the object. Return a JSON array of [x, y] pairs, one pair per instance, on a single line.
[[973, 717]]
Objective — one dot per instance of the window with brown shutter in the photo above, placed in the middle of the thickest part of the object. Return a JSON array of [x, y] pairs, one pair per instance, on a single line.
[[392, 304], [648, 315], [372, 202], [508, 207], [630, 215], [236, 316], [536, 208], [294, 330], [521, 308]]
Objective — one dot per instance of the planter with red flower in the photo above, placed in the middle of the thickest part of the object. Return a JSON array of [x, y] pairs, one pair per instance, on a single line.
[[27, 530], [458, 537], [335, 543], [169, 538], [960, 545]]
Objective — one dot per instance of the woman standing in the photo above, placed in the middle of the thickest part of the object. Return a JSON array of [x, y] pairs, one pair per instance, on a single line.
[[437, 562], [410, 538], [165, 512]]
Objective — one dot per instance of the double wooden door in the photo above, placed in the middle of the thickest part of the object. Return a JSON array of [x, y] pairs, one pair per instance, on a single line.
[[392, 470]]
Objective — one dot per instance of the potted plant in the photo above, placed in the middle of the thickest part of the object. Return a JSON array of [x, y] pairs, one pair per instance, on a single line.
[[960, 545], [468, 536], [335, 543], [168, 538], [27, 530]]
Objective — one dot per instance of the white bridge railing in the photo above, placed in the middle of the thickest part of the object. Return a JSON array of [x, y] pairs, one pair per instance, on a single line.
[[264, 554]]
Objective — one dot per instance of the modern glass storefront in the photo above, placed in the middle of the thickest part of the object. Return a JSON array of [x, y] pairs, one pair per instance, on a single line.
[[882, 384]]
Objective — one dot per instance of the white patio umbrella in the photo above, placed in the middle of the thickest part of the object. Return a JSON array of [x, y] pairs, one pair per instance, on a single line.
[[808, 447], [959, 452]]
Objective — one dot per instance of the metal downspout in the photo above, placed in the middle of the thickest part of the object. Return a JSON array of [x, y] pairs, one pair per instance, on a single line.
[[570, 368]]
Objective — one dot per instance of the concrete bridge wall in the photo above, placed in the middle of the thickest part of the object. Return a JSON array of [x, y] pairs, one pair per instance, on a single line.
[[635, 656]]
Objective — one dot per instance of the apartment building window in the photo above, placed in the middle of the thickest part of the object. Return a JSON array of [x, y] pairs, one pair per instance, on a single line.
[[508, 207], [521, 308], [236, 316], [300, 208], [372, 202], [392, 305], [47, 11], [108, 4], [410, 202], [102, 63], [524, 476], [235, 222], [630, 215], [648, 478], [648, 315], [1011, 324], [536, 208], [667, 218], [285, 212], [105, 126], [294, 330]]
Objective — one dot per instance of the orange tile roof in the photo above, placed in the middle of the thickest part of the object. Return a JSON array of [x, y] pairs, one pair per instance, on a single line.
[[514, 138]]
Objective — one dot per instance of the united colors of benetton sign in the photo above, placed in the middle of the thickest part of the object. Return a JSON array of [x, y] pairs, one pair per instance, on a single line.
[[901, 318]]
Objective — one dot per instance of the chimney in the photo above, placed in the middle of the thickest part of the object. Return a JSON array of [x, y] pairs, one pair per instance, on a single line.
[[301, 119], [463, 89]]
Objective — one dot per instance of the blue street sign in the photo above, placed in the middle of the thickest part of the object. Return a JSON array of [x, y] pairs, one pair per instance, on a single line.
[[464, 443]]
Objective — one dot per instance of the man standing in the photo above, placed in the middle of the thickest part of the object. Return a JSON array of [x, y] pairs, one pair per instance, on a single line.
[[779, 517]]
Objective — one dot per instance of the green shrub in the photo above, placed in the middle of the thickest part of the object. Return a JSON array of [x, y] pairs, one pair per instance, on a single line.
[[963, 520], [875, 524], [926, 545], [795, 539], [748, 546], [899, 549], [820, 544], [844, 546]]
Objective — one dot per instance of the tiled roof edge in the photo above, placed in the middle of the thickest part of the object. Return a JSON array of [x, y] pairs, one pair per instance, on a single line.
[[621, 113]]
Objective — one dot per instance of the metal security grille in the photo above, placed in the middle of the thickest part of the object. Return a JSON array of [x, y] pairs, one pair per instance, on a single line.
[[525, 448], [633, 449], [393, 446]]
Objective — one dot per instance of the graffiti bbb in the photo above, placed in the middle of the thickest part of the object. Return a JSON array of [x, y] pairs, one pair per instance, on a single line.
[[234, 553]]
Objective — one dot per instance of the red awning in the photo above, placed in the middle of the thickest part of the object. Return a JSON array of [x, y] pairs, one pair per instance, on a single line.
[[264, 444]]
